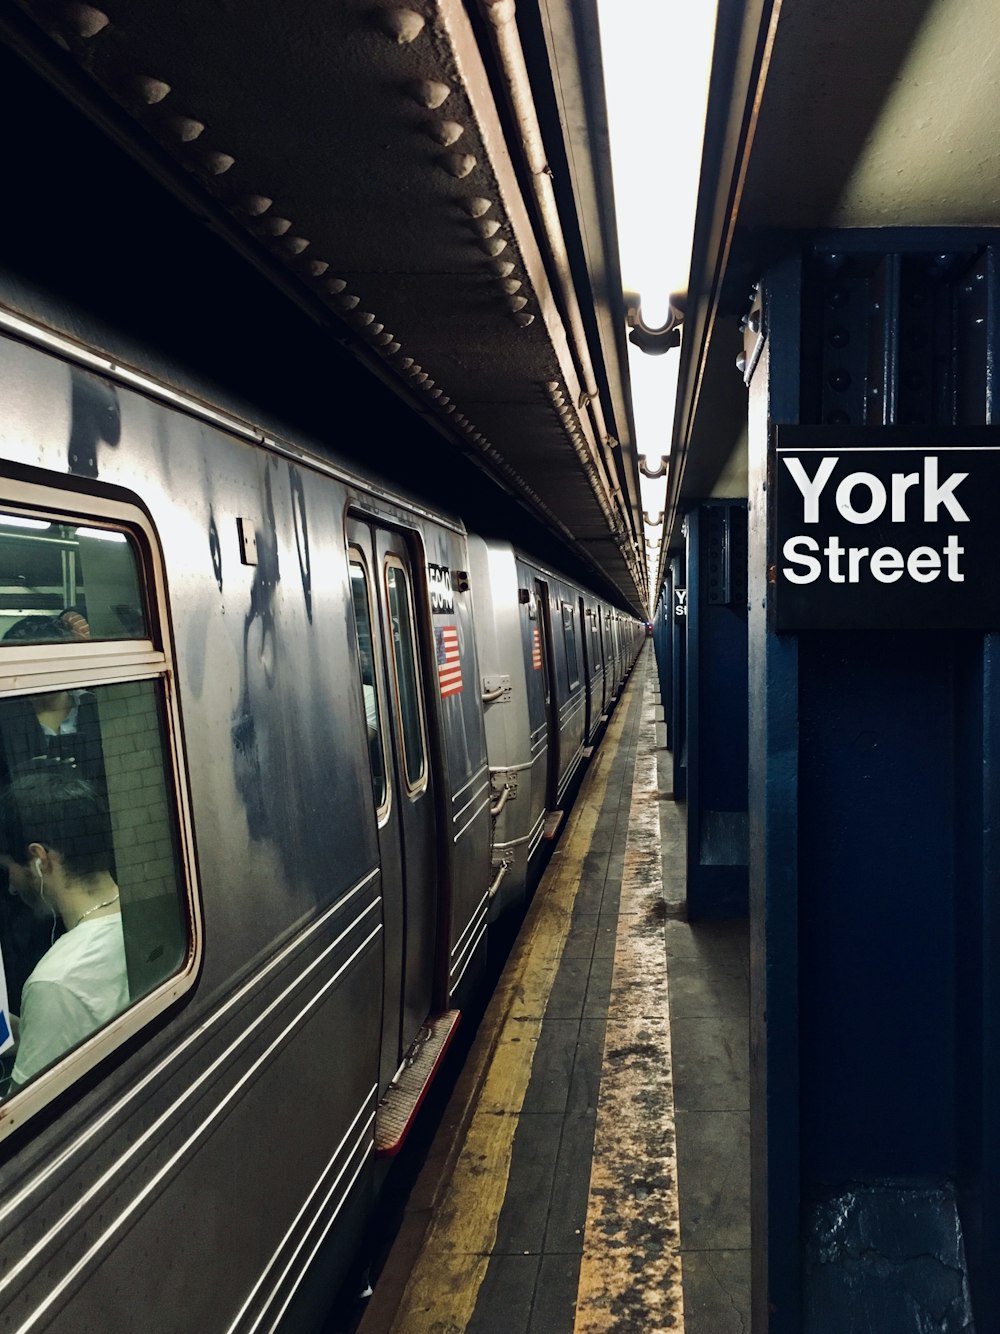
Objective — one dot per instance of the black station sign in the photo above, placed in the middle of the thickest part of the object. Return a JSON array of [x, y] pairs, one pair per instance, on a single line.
[[887, 528], [439, 584]]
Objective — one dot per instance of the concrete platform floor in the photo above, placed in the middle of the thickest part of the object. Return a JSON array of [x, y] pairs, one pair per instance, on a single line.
[[591, 1174]]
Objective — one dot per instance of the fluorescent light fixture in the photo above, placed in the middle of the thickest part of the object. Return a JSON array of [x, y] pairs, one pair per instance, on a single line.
[[654, 389], [656, 56]]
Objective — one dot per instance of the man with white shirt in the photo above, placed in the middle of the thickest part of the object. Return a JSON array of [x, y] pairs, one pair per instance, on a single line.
[[55, 845]]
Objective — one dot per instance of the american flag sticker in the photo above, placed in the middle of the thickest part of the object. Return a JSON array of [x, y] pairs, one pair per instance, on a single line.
[[536, 649], [449, 660]]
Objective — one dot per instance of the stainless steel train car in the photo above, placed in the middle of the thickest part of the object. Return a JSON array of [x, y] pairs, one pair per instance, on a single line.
[[278, 745], [545, 710]]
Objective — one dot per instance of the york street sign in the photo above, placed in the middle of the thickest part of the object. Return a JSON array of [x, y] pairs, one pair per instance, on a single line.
[[886, 528]]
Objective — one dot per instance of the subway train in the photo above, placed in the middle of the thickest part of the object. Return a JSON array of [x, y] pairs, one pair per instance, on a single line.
[[336, 731]]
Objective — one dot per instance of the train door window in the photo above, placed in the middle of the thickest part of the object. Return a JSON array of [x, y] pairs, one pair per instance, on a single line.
[[569, 636], [404, 659], [361, 595], [97, 931], [542, 624]]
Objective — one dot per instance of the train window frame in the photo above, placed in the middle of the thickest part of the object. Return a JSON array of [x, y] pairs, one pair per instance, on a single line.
[[356, 556], [392, 560], [28, 668]]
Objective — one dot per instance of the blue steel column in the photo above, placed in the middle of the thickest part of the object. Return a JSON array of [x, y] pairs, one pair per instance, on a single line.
[[773, 820], [663, 648], [874, 819], [716, 711]]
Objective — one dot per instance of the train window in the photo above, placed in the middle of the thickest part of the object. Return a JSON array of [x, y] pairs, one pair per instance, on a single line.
[[569, 635], [361, 594], [404, 658], [96, 920], [61, 582]]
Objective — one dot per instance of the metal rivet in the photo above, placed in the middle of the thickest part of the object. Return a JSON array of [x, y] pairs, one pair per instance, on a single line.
[[429, 94], [150, 90], [86, 20], [275, 226], [186, 129], [446, 132], [218, 163], [405, 25], [502, 267], [458, 165], [477, 206], [486, 227], [496, 245]]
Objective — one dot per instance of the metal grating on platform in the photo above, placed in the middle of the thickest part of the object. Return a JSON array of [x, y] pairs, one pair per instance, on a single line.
[[399, 1107]]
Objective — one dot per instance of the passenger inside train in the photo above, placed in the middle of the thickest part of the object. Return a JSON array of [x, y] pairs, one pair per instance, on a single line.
[[92, 913], [57, 850]]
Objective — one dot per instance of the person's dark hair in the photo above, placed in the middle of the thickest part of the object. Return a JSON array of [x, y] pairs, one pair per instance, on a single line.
[[49, 803], [39, 629]]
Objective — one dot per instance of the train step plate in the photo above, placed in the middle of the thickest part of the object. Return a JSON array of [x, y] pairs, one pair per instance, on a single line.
[[553, 819], [398, 1109]]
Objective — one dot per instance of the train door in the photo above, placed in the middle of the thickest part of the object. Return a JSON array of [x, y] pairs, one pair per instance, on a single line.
[[544, 625], [588, 670], [388, 629]]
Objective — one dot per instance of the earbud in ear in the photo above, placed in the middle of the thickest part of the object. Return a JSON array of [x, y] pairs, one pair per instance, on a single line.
[[38, 866]]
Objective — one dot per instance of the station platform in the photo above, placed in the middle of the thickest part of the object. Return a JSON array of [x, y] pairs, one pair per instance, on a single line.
[[591, 1172]]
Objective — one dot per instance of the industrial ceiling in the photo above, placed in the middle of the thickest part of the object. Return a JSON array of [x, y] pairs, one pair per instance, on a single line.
[[388, 167]]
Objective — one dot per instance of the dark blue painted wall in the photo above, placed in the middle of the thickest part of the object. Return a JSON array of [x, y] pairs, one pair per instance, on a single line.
[[717, 852], [877, 903]]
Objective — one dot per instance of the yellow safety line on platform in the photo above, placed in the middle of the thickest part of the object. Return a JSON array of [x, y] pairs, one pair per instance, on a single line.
[[441, 1294], [630, 1277]]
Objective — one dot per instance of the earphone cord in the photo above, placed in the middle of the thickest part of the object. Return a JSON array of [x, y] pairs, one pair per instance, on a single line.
[[41, 895]]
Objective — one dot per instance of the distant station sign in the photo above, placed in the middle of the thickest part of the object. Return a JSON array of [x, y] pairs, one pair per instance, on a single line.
[[887, 528]]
